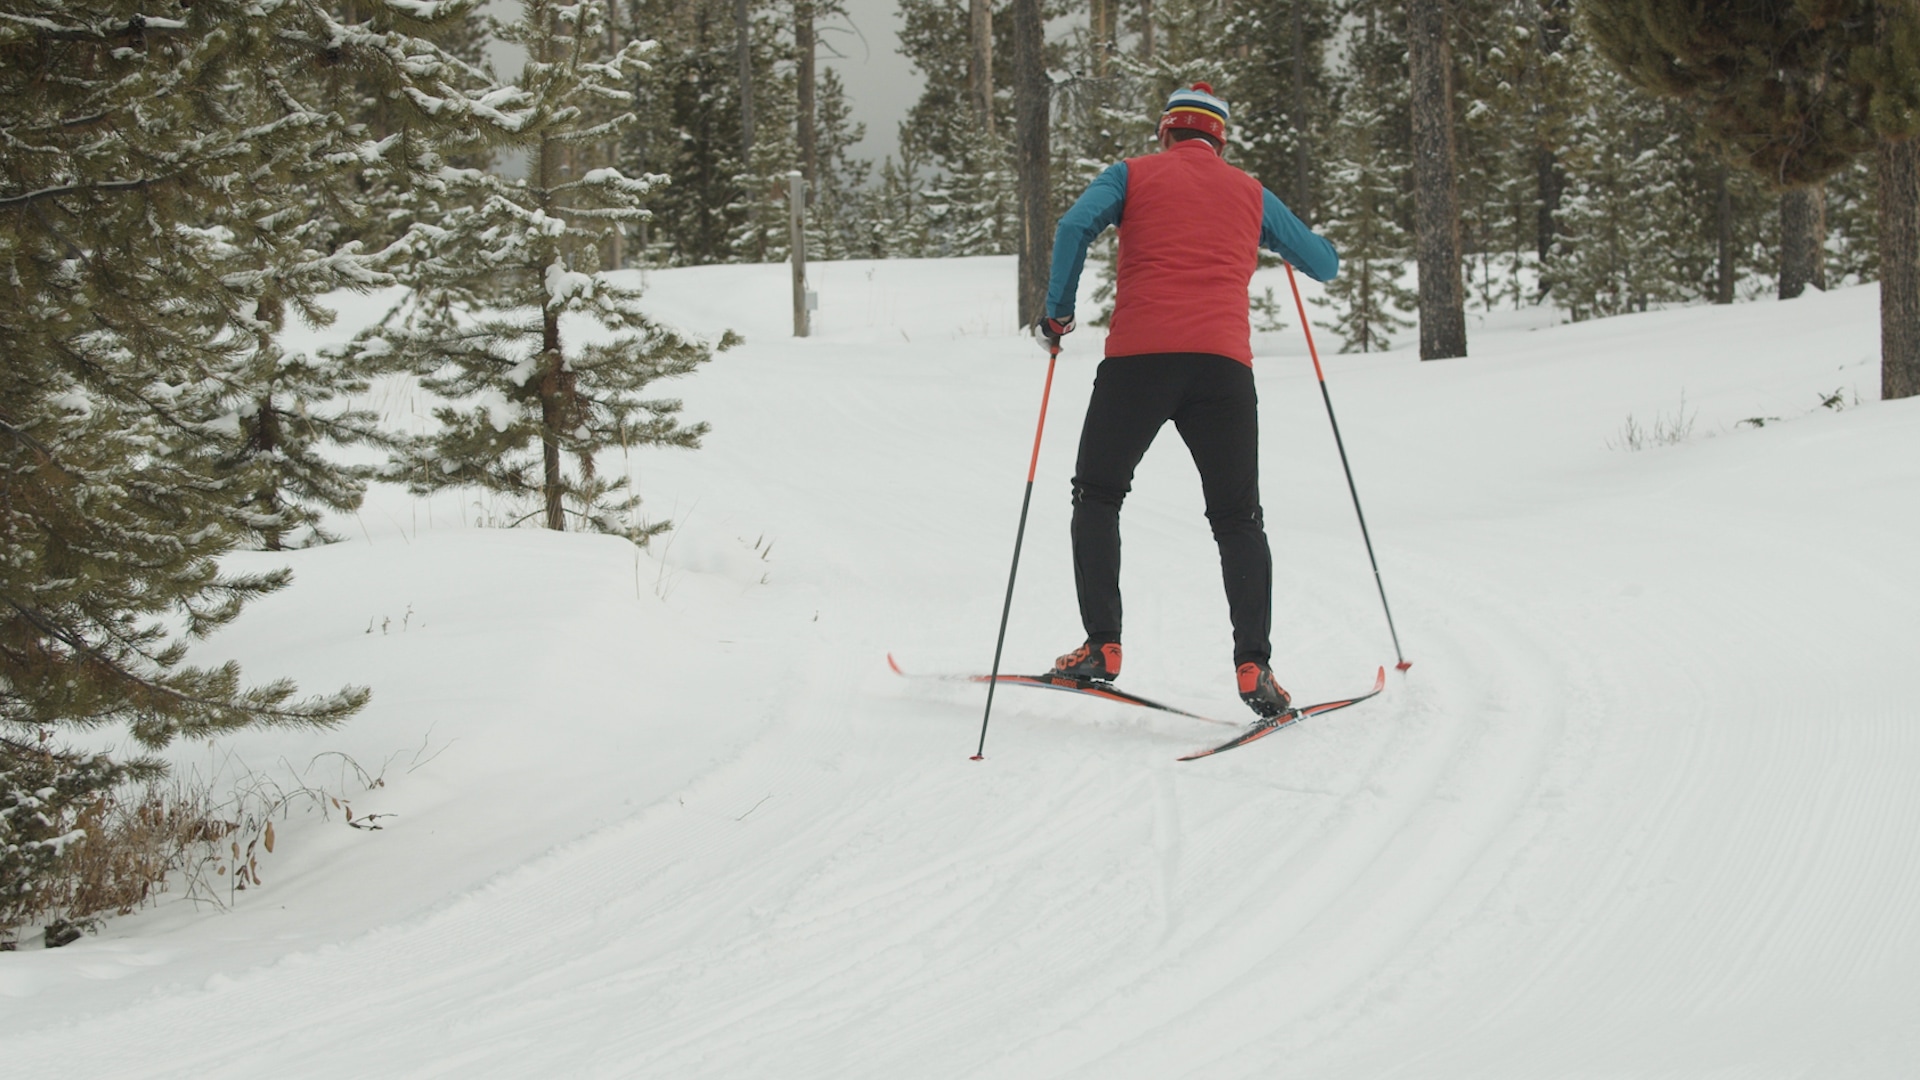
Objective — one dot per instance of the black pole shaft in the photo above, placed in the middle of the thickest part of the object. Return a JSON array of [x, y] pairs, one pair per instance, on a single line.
[[1401, 662], [1005, 609], [1019, 538]]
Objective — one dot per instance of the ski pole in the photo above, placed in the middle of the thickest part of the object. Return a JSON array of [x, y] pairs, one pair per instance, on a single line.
[[993, 680], [1307, 328]]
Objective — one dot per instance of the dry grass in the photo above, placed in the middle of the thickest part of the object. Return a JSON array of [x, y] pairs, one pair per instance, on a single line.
[[144, 841]]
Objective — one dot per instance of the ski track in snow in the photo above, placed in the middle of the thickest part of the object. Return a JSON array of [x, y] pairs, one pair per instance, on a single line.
[[1642, 807]]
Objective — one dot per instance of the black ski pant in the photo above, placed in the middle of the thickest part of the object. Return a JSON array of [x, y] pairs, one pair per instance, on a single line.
[[1210, 400]]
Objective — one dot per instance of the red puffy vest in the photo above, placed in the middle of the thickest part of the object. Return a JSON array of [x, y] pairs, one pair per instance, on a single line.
[[1189, 243]]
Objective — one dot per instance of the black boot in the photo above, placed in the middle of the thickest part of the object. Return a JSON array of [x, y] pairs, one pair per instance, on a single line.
[[1259, 690], [1100, 663]]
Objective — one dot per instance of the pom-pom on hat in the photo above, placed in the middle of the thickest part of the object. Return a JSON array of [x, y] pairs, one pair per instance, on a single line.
[[1198, 109]]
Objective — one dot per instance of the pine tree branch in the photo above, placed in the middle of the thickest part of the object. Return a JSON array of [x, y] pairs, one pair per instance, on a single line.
[[142, 685], [136, 29], [11, 201]]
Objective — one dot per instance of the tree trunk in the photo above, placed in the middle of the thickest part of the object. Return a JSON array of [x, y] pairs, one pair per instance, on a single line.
[[265, 440], [615, 249], [743, 57], [554, 366], [1031, 91], [1723, 214], [1819, 278], [1899, 177], [552, 415], [1146, 30], [1100, 20], [1548, 182], [1443, 316], [803, 50], [1298, 201], [980, 63], [1551, 28], [1802, 228]]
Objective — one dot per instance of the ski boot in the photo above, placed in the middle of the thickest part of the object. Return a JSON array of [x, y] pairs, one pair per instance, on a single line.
[[1090, 663], [1259, 690]]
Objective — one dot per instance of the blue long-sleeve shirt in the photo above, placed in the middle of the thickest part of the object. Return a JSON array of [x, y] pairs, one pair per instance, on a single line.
[[1103, 204]]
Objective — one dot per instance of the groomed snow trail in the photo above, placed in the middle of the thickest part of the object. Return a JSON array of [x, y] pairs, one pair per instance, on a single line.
[[1642, 807]]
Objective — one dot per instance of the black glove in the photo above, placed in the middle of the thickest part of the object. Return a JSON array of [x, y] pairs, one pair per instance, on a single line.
[[1050, 330]]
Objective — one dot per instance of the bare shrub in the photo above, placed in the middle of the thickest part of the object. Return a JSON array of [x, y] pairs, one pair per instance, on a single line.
[[121, 849], [1664, 431]]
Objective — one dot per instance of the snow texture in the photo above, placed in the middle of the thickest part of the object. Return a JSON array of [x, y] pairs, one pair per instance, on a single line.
[[1643, 807]]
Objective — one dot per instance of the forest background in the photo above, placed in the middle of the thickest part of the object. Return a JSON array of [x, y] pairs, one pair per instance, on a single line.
[[1574, 186]]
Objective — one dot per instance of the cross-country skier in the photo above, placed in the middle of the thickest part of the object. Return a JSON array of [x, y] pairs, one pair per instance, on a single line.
[[1179, 348]]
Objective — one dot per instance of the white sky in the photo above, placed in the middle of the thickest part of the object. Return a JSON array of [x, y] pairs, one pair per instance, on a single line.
[[881, 85]]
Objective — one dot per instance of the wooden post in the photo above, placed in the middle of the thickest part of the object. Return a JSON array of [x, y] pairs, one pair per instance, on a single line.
[[803, 48], [796, 217]]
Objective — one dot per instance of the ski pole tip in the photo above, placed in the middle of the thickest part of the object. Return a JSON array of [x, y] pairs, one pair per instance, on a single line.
[[978, 757], [1403, 665]]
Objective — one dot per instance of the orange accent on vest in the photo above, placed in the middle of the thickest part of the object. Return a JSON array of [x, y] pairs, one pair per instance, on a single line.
[[1189, 243]]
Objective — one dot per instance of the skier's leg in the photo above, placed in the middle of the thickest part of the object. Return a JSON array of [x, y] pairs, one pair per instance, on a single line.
[[1132, 397], [1219, 420]]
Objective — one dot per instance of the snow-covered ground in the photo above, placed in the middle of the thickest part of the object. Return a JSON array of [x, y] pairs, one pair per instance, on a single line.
[[1643, 807]]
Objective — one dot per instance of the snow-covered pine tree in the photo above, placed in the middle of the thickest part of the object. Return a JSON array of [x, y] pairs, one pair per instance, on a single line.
[[761, 205], [1852, 220], [384, 201], [1283, 100], [277, 456], [538, 356], [281, 431], [1516, 97], [1499, 77], [1621, 214], [158, 193], [967, 173], [971, 209], [1111, 108], [1796, 92], [805, 129], [1101, 110], [836, 226], [1188, 47], [1366, 202], [1528, 105], [897, 226], [1100, 120], [687, 113], [1723, 234]]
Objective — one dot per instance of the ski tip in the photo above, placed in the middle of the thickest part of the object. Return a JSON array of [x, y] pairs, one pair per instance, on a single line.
[[894, 664], [1380, 679]]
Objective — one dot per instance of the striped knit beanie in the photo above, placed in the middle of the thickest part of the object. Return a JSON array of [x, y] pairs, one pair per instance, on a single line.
[[1198, 109]]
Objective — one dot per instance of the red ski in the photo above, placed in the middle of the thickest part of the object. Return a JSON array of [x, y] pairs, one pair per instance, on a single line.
[[1089, 687], [1260, 729]]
